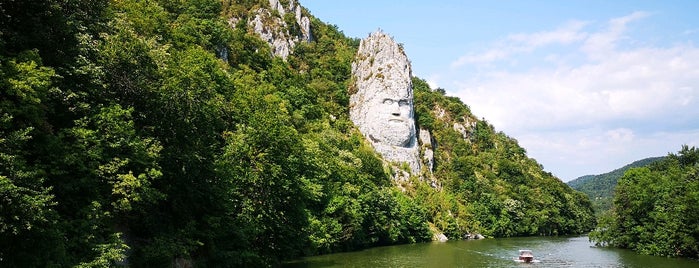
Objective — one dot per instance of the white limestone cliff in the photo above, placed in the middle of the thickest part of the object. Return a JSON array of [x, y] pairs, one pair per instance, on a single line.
[[427, 149], [381, 100], [275, 30]]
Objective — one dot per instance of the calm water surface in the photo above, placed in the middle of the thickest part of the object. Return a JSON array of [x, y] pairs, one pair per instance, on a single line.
[[501, 252]]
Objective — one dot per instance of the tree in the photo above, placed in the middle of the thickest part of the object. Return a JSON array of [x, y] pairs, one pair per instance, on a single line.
[[654, 210], [26, 204], [261, 172]]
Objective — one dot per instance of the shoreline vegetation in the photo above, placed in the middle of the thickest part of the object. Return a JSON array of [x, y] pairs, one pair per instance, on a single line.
[[600, 188], [162, 133], [655, 208], [561, 251]]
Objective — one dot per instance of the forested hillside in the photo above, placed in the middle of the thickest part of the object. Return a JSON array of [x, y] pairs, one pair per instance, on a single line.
[[600, 188], [491, 186], [656, 208], [149, 133]]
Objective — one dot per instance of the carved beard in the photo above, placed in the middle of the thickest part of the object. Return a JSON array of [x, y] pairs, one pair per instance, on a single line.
[[395, 133]]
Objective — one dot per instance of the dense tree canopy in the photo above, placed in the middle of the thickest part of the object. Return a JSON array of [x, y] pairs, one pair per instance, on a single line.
[[656, 208], [600, 188], [145, 133]]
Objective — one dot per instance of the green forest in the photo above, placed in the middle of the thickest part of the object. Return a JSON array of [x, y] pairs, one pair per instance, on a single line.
[[655, 208], [600, 188], [127, 138]]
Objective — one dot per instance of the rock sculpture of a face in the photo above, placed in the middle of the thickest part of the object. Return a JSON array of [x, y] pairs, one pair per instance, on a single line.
[[392, 120], [381, 101]]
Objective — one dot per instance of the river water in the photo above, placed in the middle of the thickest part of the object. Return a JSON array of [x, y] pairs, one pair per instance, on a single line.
[[500, 252]]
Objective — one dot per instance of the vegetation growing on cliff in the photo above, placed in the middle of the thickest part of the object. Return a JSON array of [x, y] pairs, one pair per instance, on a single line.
[[490, 186], [656, 208], [128, 135]]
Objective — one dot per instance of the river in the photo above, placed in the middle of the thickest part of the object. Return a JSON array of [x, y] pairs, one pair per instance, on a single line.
[[500, 252]]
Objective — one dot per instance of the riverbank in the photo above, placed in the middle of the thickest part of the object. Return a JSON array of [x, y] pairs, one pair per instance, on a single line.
[[500, 252]]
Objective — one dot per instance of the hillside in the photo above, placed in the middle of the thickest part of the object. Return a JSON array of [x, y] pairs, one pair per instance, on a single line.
[[600, 188], [656, 208], [218, 133]]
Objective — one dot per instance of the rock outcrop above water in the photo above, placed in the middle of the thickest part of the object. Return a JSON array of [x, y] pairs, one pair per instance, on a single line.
[[381, 100]]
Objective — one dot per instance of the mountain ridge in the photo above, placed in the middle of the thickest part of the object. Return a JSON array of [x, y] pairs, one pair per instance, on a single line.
[[600, 188]]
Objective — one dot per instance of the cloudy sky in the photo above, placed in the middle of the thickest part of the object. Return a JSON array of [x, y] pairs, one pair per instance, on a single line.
[[584, 86]]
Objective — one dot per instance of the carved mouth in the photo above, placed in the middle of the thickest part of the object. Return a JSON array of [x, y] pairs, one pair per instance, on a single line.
[[395, 120]]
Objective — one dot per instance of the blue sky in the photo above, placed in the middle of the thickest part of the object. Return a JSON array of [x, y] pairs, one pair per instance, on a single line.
[[584, 86]]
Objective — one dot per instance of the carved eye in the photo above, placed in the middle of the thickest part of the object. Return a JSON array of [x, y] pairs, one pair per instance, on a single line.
[[387, 101], [403, 103]]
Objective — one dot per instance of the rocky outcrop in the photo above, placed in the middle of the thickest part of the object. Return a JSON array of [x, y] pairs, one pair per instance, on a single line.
[[381, 100], [427, 149], [427, 153], [182, 263], [274, 26], [473, 236], [440, 237], [465, 128]]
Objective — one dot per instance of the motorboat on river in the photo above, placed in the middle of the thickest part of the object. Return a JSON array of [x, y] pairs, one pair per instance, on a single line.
[[525, 255]]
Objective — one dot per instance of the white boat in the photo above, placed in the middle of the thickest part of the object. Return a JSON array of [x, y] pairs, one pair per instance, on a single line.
[[526, 255]]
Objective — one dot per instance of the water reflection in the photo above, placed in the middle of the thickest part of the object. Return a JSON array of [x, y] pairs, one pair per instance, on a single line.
[[549, 251]]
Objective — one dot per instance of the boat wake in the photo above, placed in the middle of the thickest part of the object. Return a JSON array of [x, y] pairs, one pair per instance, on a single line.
[[523, 261]]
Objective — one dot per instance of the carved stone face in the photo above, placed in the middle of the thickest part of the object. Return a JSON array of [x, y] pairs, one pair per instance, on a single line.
[[382, 106], [381, 100], [390, 117]]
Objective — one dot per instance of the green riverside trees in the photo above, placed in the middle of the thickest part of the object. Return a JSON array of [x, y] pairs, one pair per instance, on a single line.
[[656, 208], [148, 133]]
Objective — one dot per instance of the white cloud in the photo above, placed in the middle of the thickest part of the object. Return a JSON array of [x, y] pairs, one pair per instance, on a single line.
[[620, 135], [570, 154], [488, 56], [568, 33], [525, 42], [616, 102], [601, 44], [636, 84], [432, 81]]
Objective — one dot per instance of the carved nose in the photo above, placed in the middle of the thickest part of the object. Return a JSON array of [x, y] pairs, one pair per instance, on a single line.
[[395, 109]]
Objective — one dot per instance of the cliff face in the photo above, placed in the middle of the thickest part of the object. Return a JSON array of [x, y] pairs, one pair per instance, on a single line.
[[241, 160], [282, 27], [381, 101]]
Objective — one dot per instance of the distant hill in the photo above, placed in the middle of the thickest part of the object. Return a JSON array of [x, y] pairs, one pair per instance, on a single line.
[[600, 188], [656, 208]]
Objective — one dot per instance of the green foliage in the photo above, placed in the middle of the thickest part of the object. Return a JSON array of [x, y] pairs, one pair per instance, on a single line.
[[358, 206], [391, 217], [655, 208], [423, 109], [490, 185], [26, 202], [145, 133], [109, 254], [600, 188]]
